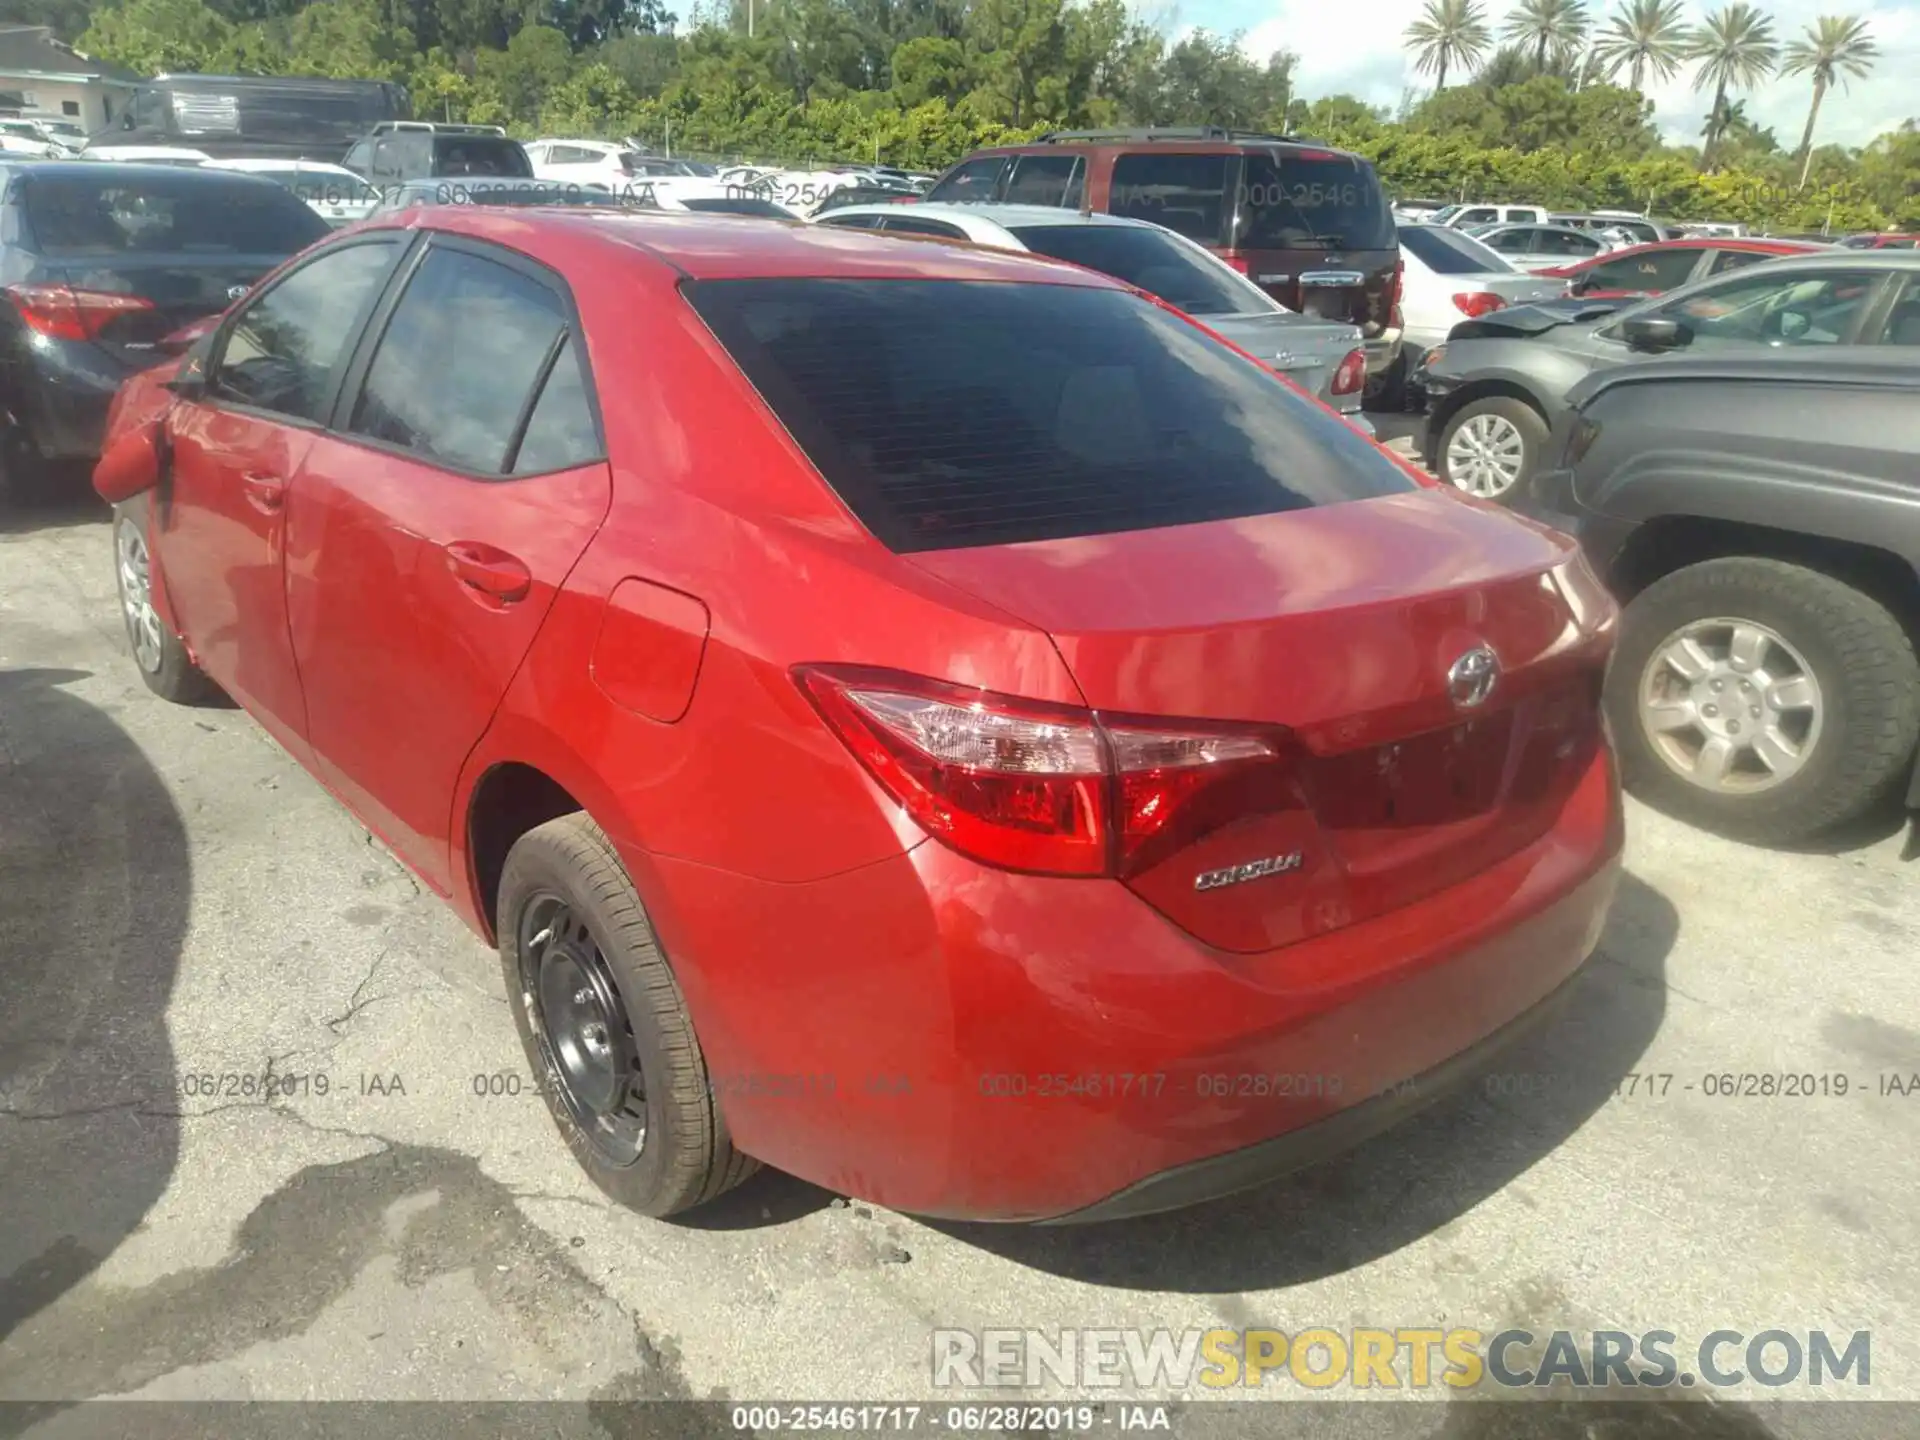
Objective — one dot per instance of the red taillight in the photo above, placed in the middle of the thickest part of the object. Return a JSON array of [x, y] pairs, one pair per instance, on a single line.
[[1044, 788], [1238, 263], [1352, 374], [62, 313], [1399, 283], [1478, 303]]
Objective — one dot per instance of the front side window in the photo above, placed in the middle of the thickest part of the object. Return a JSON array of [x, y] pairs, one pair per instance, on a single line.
[[1823, 308], [283, 350], [951, 413], [1185, 193], [1510, 242], [1564, 243], [457, 364], [1046, 180], [1652, 272], [974, 181]]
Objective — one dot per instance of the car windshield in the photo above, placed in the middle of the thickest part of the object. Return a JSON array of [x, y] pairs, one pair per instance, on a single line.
[[1452, 252], [72, 215], [1290, 200], [1154, 261], [950, 413]]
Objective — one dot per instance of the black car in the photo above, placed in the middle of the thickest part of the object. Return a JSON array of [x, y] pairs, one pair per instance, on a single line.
[[285, 117], [402, 150], [1758, 517], [100, 263]]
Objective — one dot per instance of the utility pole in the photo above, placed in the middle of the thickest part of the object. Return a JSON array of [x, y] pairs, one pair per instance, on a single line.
[[749, 19]]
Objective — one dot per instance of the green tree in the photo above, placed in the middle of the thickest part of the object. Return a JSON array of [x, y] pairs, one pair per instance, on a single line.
[[1834, 48], [1644, 37], [351, 39], [516, 80], [152, 36], [1735, 50], [931, 67], [1019, 44], [1547, 26], [1449, 35]]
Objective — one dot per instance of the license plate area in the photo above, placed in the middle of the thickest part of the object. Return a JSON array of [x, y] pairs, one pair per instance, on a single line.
[[1440, 778]]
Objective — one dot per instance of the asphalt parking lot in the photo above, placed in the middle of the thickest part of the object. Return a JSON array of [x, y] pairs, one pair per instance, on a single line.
[[180, 903]]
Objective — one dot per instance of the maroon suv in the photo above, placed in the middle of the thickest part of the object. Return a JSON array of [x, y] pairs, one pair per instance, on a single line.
[[1309, 224]]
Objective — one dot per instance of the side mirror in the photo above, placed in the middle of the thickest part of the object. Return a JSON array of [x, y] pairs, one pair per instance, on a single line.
[[1655, 333], [1581, 284], [131, 465]]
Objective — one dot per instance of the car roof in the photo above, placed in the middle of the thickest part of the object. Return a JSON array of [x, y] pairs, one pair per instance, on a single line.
[[248, 163], [718, 247], [1006, 216], [1826, 257], [133, 170]]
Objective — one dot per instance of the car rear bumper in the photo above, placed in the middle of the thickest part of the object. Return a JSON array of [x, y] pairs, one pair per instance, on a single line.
[[960, 1042], [61, 396]]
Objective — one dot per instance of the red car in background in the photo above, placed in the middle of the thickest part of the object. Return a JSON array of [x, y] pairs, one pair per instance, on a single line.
[[1667, 265], [1890, 241], [924, 717]]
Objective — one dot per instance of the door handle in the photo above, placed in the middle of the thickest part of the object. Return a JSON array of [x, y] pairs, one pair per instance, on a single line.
[[266, 493], [488, 570]]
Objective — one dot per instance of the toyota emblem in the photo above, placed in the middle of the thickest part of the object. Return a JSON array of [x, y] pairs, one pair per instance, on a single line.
[[234, 292], [1472, 679]]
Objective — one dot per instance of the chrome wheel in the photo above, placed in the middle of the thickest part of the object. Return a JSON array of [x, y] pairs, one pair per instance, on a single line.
[[1485, 455], [579, 1020], [1730, 706], [136, 598]]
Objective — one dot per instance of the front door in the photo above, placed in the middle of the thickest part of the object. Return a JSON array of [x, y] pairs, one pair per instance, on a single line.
[[434, 528], [220, 524]]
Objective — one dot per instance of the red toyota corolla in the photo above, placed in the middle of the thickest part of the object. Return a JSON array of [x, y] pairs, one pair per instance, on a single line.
[[925, 718]]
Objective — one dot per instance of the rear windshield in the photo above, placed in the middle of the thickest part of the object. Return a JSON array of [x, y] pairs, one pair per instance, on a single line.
[[948, 414], [71, 215], [1156, 263], [321, 187], [1291, 201], [479, 155], [1448, 252]]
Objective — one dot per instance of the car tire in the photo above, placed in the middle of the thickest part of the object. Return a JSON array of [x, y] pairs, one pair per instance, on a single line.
[[158, 653], [578, 953], [1498, 426], [1856, 740]]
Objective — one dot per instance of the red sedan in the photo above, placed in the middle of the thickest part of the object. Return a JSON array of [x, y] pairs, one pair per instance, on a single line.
[[1667, 265], [926, 718]]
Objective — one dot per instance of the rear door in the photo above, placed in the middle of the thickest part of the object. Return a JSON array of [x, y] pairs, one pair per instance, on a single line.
[[464, 475], [1314, 230]]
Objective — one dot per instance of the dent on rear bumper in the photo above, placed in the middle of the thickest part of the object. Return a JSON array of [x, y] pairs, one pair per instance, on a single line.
[[960, 1042]]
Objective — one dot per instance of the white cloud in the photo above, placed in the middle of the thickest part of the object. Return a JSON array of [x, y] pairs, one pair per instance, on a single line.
[[1358, 48]]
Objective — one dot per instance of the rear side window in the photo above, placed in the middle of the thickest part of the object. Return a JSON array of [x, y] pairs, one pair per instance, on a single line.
[[948, 414], [479, 155], [73, 215], [560, 431], [1151, 261], [1185, 193], [1447, 252], [1292, 200], [458, 363]]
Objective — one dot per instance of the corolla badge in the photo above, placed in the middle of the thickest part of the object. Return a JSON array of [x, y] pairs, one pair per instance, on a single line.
[[1472, 679], [1252, 870]]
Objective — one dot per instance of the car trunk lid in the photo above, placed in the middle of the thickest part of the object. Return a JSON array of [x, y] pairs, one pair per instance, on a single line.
[[1306, 351], [1345, 625], [125, 304]]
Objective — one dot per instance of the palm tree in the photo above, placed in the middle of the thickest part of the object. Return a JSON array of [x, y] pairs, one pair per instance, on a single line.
[[1644, 36], [1735, 50], [1834, 47], [1450, 34], [1546, 25]]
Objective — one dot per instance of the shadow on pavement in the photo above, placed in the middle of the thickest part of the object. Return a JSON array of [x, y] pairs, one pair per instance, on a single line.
[[94, 888], [1407, 1183]]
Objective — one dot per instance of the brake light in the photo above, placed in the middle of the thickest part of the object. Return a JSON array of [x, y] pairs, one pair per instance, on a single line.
[[1351, 377], [1045, 788], [1477, 303], [1399, 283], [62, 313], [1238, 263]]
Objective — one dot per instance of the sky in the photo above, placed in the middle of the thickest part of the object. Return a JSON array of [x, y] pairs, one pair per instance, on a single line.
[[1358, 48]]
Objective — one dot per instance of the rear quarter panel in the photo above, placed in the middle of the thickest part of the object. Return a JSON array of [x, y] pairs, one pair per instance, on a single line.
[[1841, 461]]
